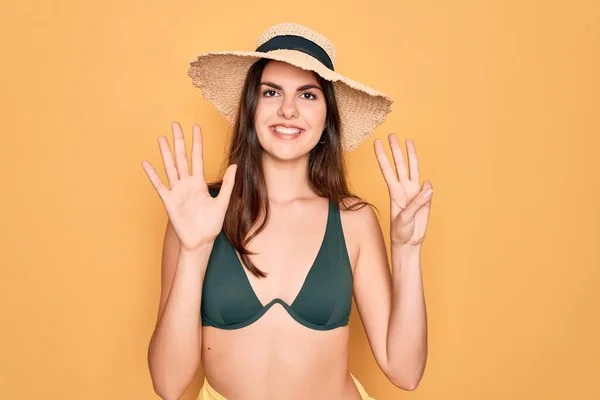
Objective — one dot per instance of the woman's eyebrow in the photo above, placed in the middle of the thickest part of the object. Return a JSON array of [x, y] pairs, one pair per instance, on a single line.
[[301, 88], [309, 86]]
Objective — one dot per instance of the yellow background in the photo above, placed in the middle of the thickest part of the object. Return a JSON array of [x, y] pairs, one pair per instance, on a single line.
[[501, 98]]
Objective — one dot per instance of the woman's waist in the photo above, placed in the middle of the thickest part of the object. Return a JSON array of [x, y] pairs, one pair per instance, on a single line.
[[276, 380], [275, 366], [266, 356]]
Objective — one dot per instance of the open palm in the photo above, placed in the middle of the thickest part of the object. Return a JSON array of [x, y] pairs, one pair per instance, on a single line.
[[409, 201], [196, 216]]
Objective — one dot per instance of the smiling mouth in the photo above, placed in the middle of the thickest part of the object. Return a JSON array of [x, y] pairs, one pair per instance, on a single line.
[[286, 131]]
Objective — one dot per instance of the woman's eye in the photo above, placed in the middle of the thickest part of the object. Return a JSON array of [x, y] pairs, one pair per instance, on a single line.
[[309, 96], [269, 93]]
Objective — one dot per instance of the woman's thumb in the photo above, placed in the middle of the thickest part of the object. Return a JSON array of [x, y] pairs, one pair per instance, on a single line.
[[228, 182], [419, 201]]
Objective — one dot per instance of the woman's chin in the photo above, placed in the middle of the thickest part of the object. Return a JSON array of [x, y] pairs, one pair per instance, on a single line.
[[288, 152]]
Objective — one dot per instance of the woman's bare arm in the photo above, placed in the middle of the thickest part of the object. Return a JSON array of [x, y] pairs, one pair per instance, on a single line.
[[174, 350]]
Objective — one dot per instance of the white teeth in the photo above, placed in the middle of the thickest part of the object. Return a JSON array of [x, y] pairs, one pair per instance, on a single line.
[[286, 131]]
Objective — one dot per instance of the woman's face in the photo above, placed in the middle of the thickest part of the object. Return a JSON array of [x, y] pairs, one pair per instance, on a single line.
[[291, 111]]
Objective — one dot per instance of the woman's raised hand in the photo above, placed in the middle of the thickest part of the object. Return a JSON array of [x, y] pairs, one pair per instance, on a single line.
[[410, 201], [196, 216]]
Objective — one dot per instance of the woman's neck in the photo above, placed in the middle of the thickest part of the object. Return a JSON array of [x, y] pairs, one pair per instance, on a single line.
[[286, 180]]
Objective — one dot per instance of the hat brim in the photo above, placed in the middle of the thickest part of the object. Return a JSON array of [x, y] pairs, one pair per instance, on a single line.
[[221, 75]]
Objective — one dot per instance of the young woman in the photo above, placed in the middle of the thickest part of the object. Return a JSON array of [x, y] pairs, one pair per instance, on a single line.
[[259, 269]]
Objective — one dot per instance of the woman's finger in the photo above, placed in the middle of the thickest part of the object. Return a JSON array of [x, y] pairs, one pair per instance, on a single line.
[[197, 153], [398, 158], [384, 164], [420, 201], [227, 186], [180, 155], [165, 153], [155, 179], [413, 163]]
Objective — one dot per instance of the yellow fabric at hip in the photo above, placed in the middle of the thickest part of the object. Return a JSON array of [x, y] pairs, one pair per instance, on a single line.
[[208, 393]]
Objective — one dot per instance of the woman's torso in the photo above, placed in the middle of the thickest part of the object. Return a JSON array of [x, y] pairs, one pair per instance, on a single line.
[[297, 346]]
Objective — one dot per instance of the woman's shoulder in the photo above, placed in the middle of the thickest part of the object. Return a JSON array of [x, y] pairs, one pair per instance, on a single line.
[[358, 215], [359, 224]]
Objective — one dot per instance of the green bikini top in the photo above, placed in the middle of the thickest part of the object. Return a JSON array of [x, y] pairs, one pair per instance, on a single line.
[[324, 301]]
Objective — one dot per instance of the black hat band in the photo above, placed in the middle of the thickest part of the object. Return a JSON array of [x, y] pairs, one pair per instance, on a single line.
[[299, 43]]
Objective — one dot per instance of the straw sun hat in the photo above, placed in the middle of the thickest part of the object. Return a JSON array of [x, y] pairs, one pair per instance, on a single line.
[[221, 75]]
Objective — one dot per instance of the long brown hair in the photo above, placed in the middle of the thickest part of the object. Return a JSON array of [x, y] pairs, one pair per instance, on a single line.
[[249, 206]]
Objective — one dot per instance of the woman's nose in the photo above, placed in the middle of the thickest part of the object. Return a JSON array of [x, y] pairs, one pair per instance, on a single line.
[[288, 109]]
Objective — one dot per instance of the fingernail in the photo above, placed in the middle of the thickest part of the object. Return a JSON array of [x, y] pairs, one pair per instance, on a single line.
[[427, 193]]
